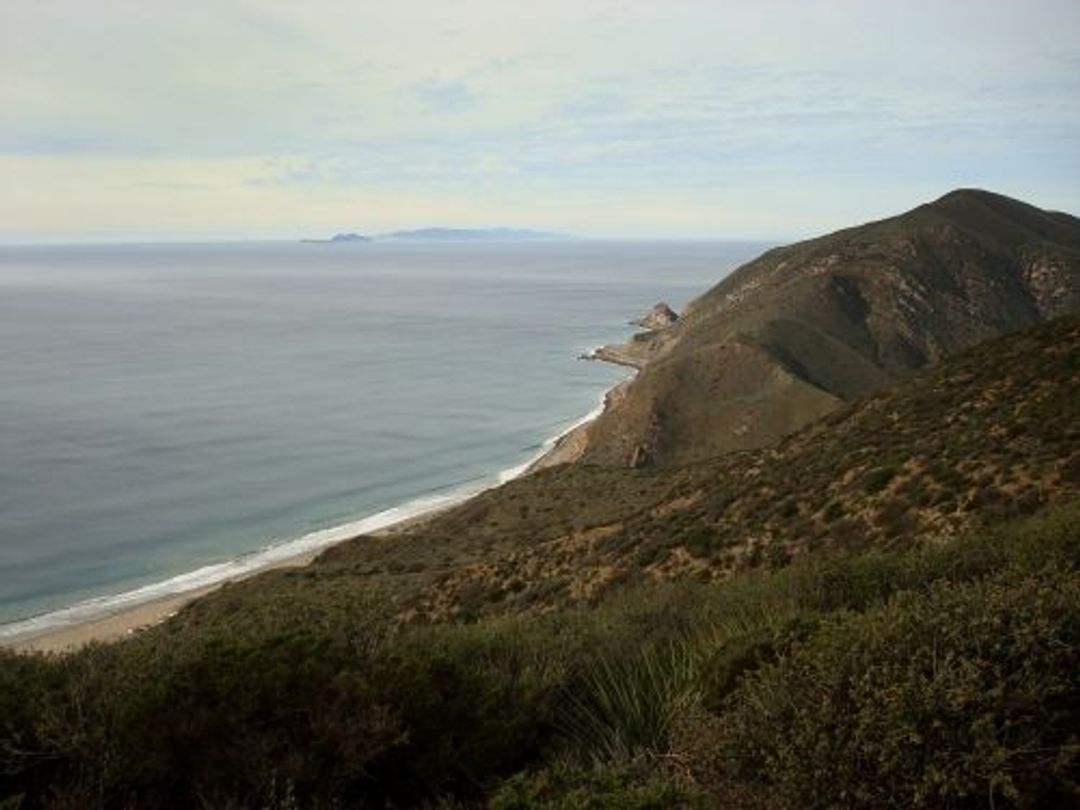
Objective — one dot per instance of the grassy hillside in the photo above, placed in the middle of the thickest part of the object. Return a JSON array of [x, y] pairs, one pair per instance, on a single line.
[[991, 434], [799, 331], [606, 637]]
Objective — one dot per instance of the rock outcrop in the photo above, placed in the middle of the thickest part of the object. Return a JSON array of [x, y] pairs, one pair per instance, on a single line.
[[659, 317]]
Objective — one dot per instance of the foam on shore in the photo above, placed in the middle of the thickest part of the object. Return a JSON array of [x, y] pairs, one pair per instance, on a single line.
[[549, 443], [274, 554]]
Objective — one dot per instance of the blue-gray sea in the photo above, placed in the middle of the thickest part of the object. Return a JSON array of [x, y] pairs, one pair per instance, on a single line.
[[172, 414]]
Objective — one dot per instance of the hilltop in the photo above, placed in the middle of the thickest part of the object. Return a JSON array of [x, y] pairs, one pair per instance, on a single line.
[[876, 607], [796, 333]]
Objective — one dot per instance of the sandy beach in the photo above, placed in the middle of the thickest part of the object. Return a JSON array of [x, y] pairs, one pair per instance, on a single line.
[[109, 628], [130, 620], [560, 449]]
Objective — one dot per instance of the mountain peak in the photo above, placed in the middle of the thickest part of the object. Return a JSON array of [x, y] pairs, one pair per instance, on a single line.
[[970, 194], [979, 199], [804, 328]]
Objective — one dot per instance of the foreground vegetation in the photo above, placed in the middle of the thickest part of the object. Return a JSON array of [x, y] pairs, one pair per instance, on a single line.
[[934, 676], [881, 611]]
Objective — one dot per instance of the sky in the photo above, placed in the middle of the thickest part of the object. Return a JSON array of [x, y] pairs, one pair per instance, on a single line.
[[764, 119]]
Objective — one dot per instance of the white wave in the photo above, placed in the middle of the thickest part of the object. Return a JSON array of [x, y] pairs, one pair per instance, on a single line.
[[514, 472], [275, 553], [103, 606]]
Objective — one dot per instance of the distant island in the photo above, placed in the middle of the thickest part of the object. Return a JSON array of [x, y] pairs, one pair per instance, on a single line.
[[472, 235], [446, 235], [339, 238]]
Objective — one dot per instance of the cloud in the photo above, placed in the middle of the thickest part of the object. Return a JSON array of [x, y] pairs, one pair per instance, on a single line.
[[444, 95], [483, 105]]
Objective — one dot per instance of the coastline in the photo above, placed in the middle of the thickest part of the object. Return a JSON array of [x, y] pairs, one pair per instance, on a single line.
[[569, 445], [117, 616]]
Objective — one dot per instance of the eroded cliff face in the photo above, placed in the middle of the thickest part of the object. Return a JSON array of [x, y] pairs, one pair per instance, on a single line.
[[802, 329], [661, 316]]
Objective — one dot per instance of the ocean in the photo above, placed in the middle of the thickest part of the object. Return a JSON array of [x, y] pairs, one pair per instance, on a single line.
[[172, 415]]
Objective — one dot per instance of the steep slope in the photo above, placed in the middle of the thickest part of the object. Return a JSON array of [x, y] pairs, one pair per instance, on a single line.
[[990, 433], [802, 329]]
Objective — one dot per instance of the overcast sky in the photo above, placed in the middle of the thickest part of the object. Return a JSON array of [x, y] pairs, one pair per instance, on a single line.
[[236, 119]]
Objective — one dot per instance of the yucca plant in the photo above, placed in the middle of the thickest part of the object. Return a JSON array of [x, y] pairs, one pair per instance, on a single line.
[[623, 707]]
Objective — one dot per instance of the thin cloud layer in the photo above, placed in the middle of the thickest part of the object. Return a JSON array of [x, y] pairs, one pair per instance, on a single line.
[[240, 119]]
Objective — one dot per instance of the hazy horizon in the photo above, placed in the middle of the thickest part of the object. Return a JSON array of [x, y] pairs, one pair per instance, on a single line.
[[237, 121], [379, 238]]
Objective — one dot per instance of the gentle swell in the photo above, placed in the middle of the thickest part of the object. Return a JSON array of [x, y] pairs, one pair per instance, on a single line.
[[272, 554]]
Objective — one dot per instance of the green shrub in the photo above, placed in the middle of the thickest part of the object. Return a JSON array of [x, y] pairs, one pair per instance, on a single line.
[[567, 787], [301, 694], [699, 540], [833, 511], [878, 478], [961, 695]]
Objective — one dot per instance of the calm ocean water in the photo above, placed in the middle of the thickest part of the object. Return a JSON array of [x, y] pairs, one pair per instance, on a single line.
[[167, 410]]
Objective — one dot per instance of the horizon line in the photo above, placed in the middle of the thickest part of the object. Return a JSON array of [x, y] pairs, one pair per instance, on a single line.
[[383, 238]]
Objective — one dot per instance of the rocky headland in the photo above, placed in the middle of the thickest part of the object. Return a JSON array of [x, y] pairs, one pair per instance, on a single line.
[[804, 329]]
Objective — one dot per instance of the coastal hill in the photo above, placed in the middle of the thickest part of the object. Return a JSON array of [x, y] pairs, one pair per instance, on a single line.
[[992, 433], [794, 334], [880, 607]]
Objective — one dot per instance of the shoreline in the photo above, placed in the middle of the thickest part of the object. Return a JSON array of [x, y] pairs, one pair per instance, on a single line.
[[116, 616], [569, 445]]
